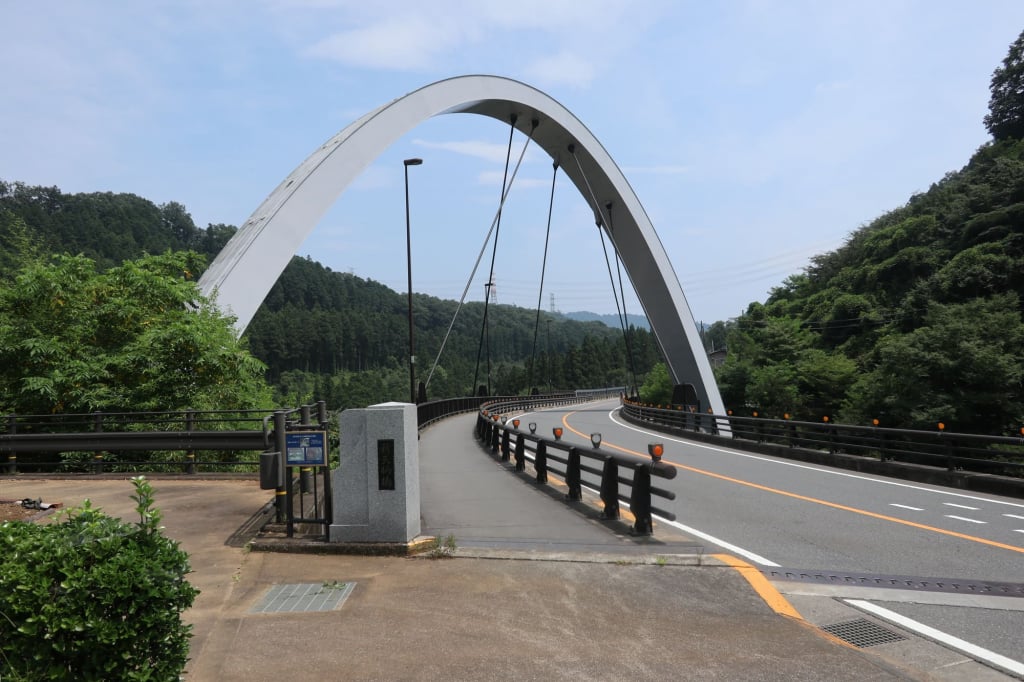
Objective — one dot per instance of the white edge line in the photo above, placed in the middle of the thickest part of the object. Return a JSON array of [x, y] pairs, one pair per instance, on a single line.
[[756, 558], [746, 554], [972, 650], [825, 470]]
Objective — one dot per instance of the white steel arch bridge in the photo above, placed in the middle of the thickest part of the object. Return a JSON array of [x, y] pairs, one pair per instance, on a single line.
[[249, 265]]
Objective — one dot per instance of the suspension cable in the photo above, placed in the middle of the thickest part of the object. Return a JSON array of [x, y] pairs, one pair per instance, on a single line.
[[543, 269], [599, 220], [483, 249], [624, 320], [485, 330]]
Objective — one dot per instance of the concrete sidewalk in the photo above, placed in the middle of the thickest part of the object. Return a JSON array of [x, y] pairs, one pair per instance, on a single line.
[[521, 600]]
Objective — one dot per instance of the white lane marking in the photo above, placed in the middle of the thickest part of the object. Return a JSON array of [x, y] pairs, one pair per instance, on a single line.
[[960, 506], [972, 650], [1018, 530], [696, 444], [1014, 516], [747, 554], [964, 518], [756, 558], [905, 506]]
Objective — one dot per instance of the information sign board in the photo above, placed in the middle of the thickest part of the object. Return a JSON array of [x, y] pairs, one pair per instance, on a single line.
[[306, 448]]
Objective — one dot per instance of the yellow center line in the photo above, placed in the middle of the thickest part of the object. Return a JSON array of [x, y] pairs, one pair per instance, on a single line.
[[804, 498]]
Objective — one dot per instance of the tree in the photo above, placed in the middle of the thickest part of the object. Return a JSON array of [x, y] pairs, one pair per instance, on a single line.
[[136, 337], [963, 367], [1005, 118], [657, 387]]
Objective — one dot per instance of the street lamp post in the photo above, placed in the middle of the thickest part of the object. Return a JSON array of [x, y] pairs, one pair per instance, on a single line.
[[408, 260]]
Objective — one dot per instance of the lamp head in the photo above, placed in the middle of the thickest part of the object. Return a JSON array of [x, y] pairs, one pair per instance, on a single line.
[[655, 450]]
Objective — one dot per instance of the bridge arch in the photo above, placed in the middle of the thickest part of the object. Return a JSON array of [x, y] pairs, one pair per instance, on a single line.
[[245, 270]]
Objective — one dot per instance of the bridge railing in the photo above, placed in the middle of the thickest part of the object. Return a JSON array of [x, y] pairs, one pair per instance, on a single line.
[[436, 410], [992, 455], [106, 441], [570, 462]]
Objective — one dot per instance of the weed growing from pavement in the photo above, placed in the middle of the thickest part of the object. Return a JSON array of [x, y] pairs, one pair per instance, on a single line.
[[442, 549]]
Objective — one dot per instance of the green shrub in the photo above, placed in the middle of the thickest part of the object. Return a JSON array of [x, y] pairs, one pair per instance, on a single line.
[[93, 598]]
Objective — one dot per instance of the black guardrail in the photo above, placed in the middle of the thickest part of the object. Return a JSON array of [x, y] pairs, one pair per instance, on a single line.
[[108, 440], [567, 461], [433, 411], [969, 460]]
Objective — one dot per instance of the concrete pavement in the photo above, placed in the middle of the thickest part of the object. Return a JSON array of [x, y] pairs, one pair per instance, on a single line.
[[537, 591]]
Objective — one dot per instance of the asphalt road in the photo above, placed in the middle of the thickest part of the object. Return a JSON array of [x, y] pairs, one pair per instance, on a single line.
[[776, 512]]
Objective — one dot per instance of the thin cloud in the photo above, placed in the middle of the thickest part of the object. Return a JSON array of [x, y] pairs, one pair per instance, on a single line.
[[657, 170], [563, 68], [488, 151], [402, 42], [494, 178]]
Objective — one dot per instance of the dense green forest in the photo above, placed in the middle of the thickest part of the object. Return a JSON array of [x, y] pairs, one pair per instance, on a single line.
[[330, 335], [917, 318]]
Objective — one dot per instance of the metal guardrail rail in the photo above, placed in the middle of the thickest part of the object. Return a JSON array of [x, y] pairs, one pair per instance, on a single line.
[[569, 463], [99, 434], [993, 455]]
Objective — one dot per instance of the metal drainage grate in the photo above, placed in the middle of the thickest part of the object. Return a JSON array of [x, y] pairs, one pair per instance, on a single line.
[[304, 597], [862, 633]]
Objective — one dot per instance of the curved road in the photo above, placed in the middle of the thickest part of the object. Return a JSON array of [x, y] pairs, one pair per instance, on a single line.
[[776, 512]]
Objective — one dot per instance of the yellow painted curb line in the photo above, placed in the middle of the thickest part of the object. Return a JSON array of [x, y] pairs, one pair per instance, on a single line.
[[772, 597]]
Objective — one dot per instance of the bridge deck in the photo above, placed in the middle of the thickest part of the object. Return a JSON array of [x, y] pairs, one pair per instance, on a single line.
[[469, 493]]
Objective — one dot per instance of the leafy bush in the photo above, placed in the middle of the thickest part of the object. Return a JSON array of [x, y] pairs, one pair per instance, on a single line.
[[93, 598]]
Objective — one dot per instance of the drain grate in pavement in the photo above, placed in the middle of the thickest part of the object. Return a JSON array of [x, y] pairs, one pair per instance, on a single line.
[[304, 597], [862, 633]]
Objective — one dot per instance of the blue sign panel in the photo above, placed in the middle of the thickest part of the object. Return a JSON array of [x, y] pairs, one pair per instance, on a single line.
[[306, 448]]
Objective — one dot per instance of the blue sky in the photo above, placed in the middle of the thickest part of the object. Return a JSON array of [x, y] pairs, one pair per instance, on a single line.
[[756, 133]]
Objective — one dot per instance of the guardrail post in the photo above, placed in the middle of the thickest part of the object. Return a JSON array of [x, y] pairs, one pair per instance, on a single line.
[[12, 457], [190, 456], [520, 453], [321, 412], [610, 488], [540, 462], [97, 457], [950, 453], [572, 476], [883, 446], [504, 445], [495, 439], [284, 483], [640, 501]]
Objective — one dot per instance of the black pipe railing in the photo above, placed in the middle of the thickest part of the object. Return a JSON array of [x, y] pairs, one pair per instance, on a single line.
[[994, 455], [570, 462], [428, 413], [98, 435]]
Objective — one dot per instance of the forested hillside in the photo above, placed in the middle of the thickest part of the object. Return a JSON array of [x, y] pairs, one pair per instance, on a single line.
[[917, 318], [317, 325], [325, 334]]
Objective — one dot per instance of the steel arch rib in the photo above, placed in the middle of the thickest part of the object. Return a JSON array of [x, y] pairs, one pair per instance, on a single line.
[[246, 269]]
